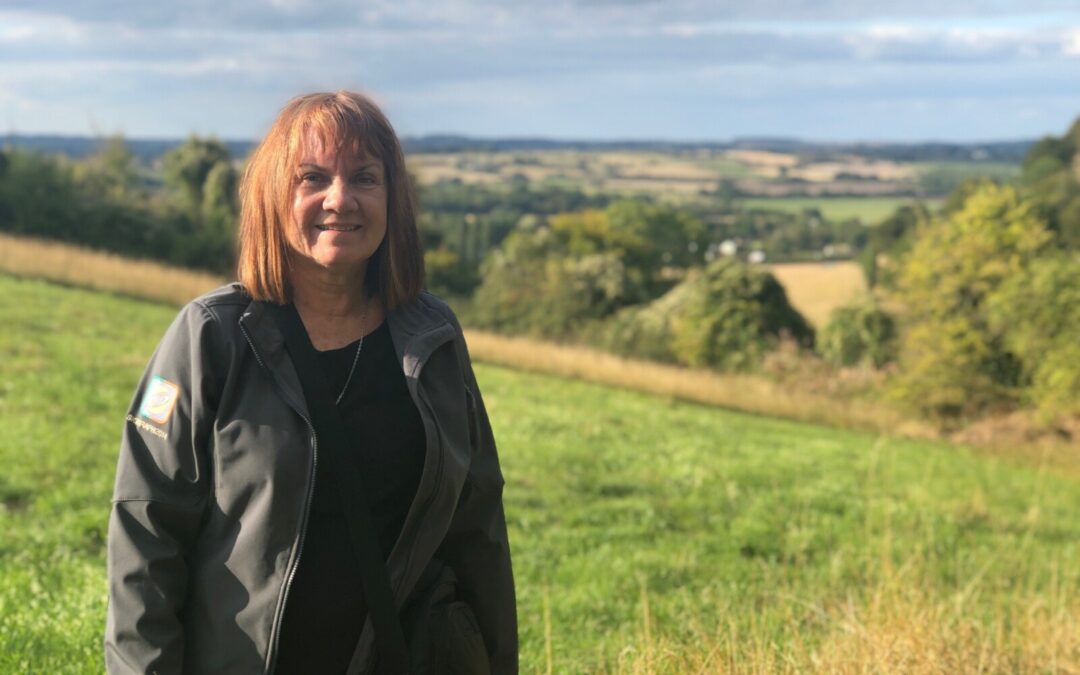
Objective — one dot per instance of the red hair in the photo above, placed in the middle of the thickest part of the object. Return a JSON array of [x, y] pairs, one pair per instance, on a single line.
[[344, 119]]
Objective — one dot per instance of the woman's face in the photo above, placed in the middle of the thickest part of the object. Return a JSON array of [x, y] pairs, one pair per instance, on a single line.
[[339, 207]]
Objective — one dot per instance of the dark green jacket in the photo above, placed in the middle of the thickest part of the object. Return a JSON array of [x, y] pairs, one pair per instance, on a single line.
[[215, 478]]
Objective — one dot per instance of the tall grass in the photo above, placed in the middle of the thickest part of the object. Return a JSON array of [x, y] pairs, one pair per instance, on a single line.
[[75, 266], [899, 628], [747, 393]]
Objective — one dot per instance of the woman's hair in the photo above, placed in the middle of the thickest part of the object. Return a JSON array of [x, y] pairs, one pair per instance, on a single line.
[[343, 120]]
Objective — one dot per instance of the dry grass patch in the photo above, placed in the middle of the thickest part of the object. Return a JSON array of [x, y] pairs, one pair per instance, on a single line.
[[68, 264], [763, 158], [901, 629], [816, 289], [876, 169], [747, 393]]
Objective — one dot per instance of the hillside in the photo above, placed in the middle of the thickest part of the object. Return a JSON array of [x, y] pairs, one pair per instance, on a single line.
[[648, 536]]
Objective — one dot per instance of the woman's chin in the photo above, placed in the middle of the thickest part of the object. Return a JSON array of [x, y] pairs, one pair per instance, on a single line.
[[335, 261], [343, 264]]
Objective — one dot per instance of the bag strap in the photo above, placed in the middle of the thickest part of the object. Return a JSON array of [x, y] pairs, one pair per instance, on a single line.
[[389, 637]]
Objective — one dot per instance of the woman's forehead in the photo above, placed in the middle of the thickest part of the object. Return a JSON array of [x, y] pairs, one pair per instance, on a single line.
[[327, 145]]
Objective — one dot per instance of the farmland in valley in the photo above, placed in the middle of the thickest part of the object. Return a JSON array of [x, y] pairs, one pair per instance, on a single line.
[[754, 173]]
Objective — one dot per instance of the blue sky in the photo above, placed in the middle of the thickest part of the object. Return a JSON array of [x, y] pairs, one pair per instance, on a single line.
[[958, 70]]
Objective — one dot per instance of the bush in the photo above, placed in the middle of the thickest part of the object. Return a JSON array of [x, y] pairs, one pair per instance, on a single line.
[[640, 331], [724, 316], [859, 334], [531, 285]]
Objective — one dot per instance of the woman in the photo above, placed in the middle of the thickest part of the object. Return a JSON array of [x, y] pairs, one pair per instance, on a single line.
[[229, 543]]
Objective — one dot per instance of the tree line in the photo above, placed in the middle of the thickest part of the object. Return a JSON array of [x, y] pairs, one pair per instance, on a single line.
[[184, 213], [983, 293]]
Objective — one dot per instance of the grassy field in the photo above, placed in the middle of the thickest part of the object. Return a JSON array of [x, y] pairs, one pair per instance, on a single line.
[[648, 535], [869, 210]]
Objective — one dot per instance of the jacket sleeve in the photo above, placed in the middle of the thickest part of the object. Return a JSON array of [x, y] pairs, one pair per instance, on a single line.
[[161, 491], [476, 546]]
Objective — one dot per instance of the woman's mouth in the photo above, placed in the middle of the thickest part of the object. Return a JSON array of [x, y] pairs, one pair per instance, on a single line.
[[335, 227]]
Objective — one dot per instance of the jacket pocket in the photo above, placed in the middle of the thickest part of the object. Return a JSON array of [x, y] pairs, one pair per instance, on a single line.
[[445, 638], [458, 646]]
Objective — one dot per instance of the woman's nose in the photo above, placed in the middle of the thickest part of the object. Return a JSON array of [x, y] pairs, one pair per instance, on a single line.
[[339, 197]]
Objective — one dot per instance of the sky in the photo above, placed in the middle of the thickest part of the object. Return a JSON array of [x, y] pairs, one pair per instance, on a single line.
[[682, 70]]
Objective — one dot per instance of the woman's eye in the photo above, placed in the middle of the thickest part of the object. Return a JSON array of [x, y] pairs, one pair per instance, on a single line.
[[311, 178], [367, 179]]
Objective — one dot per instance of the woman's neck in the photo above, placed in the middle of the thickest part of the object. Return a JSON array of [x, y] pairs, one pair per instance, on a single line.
[[328, 294], [333, 306]]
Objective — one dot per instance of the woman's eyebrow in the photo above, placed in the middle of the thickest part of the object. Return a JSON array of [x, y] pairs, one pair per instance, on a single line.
[[309, 166]]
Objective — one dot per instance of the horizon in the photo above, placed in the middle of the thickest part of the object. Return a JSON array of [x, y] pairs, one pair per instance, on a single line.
[[566, 141]]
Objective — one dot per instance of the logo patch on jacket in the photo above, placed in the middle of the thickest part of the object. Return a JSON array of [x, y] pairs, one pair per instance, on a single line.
[[160, 399]]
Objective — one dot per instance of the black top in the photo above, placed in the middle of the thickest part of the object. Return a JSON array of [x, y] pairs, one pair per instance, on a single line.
[[325, 610]]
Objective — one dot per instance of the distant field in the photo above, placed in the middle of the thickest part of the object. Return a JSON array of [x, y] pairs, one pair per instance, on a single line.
[[770, 176], [870, 210], [648, 536], [942, 177], [816, 289]]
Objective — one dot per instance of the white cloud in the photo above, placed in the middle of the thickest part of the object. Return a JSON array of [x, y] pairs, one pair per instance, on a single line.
[[1070, 42], [22, 27], [488, 60]]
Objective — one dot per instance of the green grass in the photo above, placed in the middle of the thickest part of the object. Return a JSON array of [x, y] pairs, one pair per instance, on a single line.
[[941, 178], [725, 522], [870, 210], [724, 167]]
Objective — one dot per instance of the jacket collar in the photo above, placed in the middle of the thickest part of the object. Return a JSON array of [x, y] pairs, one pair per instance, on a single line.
[[417, 329]]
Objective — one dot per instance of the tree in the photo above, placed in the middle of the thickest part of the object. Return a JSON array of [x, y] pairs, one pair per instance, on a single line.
[[112, 173], [187, 166], [1038, 312], [1051, 177], [656, 236], [534, 284], [203, 188], [730, 314], [889, 239], [954, 362], [40, 197], [647, 238]]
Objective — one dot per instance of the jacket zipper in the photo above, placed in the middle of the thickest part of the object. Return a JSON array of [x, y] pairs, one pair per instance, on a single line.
[[422, 401], [291, 574], [276, 627]]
